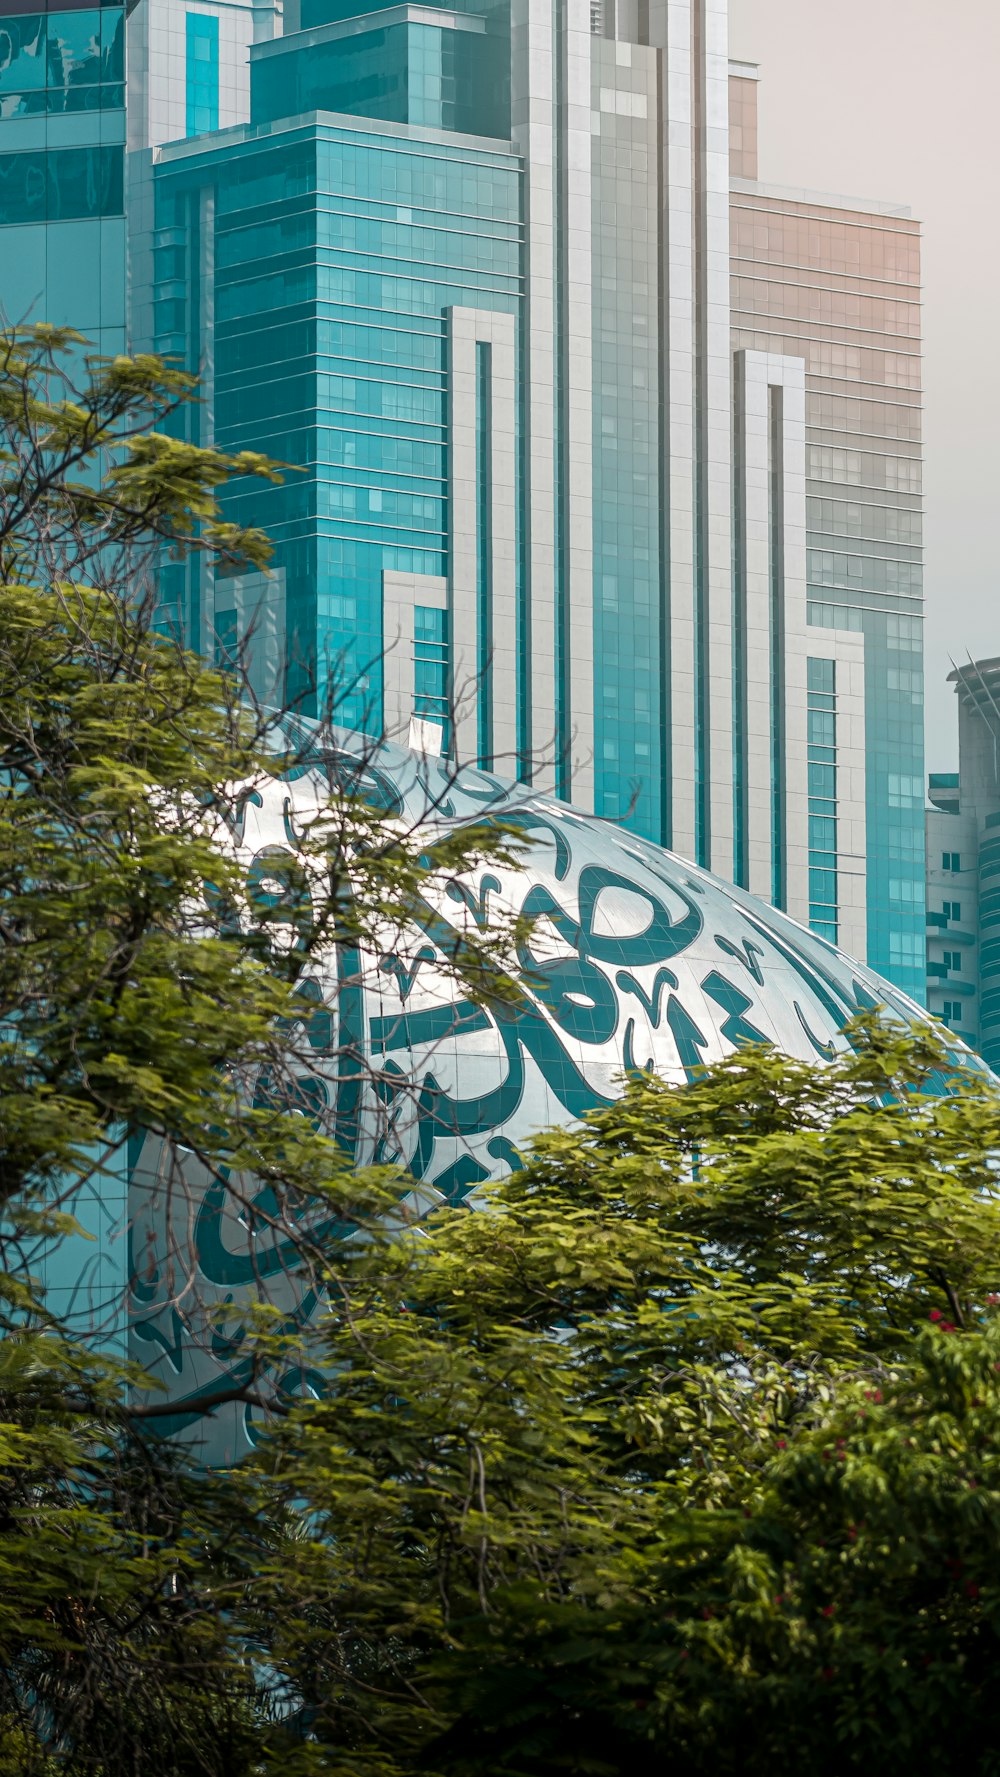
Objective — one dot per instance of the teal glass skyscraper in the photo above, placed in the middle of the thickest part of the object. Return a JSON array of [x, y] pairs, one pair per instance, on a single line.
[[62, 167], [63, 260], [606, 469]]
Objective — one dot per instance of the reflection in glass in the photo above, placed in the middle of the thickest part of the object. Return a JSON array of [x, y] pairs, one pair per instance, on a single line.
[[63, 61]]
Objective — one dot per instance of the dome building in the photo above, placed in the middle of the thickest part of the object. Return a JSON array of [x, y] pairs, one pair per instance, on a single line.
[[636, 959]]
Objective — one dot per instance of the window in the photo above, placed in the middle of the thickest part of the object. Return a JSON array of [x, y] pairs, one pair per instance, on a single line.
[[61, 61], [821, 718], [226, 640], [202, 73], [951, 860], [951, 1011], [905, 791], [906, 949], [952, 959], [952, 909], [430, 665], [61, 184]]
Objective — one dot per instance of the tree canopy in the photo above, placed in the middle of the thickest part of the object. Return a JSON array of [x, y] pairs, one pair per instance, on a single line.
[[679, 1453]]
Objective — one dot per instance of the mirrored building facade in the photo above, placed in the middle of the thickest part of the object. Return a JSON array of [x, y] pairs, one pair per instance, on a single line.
[[963, 868], [833, 284], [606, 455], [62, 167]]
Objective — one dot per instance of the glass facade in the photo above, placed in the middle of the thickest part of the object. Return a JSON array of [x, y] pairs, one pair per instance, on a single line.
[[307, 239], [406, 165], [202, 66], [334, 257], [62, 260], [629, 686], [839, 287], [479, 277], [430, 684], [963, 869], [62, 196], [743, 123], [821, 684], [58, 62], [446, 77]]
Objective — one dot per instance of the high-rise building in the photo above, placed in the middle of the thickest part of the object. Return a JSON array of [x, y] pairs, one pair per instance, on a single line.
[[62, 167], [963, 868], [829, 289], [63, 260], [631, 508]]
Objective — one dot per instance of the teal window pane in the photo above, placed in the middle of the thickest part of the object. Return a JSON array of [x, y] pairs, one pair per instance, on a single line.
[[202, 70], [429, 624], [823, 781], [823, 887], [430, 663], [820, 675], [824, 928], [63, 61], [61, 185], [73, 49], [226, 639], [112, 43], [822, 728], [22, 56], [822, 833]]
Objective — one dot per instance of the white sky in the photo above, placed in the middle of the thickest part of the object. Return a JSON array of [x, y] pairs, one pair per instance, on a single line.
[[900, 99]]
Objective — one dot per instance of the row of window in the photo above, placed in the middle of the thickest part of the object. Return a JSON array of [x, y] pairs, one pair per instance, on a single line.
[[61, 185], [852, 413], [62, 61], [879, 524], [827, 567], [805, 240], [821, 719], [394, 233], [814, 303], [859, 468], [430, 664], [351, 287], [448, 181]]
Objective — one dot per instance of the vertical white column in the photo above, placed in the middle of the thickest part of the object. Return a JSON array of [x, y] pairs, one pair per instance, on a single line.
[[790, 375], [757, 375], [716, 384], [576, 277], [533, 135], [754, 554], [763, 555], [696, 369], [469, 650], [157, 64], [670, 32], [551, 57]]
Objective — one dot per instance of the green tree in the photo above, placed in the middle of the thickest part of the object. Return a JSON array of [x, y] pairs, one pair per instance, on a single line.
[[148, 975], [154, 984], [682, 1454]]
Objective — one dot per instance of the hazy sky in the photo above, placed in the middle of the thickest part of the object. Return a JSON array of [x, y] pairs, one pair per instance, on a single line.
[[901, 99]]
